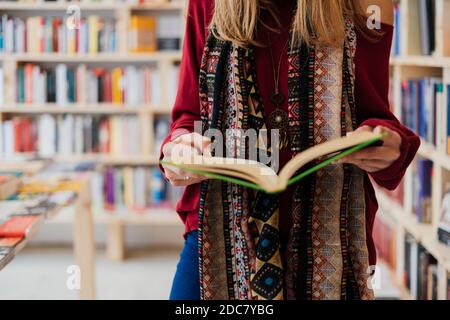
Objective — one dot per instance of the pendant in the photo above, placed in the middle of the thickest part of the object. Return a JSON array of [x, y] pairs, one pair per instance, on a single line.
[[279, 120]]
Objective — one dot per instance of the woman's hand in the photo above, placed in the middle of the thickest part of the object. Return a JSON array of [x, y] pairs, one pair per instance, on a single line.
[[375, 159], [186, 145]]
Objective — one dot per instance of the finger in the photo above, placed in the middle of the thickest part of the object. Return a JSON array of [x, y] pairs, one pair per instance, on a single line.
[[180, 152], [364, 166], [375, 153], [174, 173], [392, 137], [195, 140], [362, 129]]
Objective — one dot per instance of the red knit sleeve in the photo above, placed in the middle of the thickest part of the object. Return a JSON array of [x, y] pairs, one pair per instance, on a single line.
[[372, 102], [187, 104]]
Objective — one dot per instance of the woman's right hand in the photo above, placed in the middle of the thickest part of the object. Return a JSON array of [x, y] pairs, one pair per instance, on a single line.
[[188, 144]]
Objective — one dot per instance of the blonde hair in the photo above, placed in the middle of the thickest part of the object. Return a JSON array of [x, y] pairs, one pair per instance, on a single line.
[[316, 21]]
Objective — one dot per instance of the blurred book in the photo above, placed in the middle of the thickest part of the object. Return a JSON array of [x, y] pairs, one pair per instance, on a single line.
[[424, 191], [22, 226], [444, 223], [69, 134], [142, 34], [130, 86], [9, 184], [50, 34], [422, 102]]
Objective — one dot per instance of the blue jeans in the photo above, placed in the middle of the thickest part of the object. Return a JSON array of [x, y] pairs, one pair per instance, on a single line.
[[186, 283]]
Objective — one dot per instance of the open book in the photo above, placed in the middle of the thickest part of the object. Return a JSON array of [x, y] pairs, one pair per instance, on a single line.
[[255, 175]]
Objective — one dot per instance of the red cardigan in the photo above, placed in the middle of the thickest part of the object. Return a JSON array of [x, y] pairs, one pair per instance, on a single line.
[[371, 93]]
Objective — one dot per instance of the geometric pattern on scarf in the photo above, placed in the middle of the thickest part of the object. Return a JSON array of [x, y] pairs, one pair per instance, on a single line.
[[239, 242]]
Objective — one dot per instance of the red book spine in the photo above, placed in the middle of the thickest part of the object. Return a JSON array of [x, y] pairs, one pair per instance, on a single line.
[[108, 87], [17, 226], [27, 139], [16, 130], [28, 75], [42, 33], [55, 26]]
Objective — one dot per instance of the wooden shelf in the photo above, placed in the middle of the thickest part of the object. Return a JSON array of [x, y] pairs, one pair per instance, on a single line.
[[62, 6], [74, 109], [157, 56], [151, 217], [421, 61], [138, 160], [423, 233], [429, 152]]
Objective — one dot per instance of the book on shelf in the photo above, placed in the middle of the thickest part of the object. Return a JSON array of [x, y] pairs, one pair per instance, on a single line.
[[422, 103], [421, 190], [50, 34], [396, 45], [162, 126], [5, 257], [420, 270], [142, 34], [2, 86], [20, 226], [258, 176], [169, 32], [448, 287], [423, 209], [70, 134], [9, 246], [9, 184], [427, 26], [447, 128], [444, 223], [154, 33], [421, 27], [131, 189], [129, 85]]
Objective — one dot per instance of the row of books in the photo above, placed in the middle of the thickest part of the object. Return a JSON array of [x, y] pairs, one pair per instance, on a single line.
[[422, 107], [420, 271], [63, 85], [46, 34], [91, 35], [120, 189], [421, 27], [69, 134]]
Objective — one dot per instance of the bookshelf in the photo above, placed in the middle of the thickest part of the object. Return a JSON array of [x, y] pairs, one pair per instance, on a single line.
[[407, 63], [147, 114]]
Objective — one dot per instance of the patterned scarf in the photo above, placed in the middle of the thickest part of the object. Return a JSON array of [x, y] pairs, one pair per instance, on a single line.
[[239, 241]]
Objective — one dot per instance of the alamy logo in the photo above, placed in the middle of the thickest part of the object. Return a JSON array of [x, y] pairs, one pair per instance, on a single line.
[[374, 19], [73, 281], [73, 17], [374, 280]]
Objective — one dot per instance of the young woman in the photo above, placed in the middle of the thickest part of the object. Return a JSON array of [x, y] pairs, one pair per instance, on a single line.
[[313, 70]]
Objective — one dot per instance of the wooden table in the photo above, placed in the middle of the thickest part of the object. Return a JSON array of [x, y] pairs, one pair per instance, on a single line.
[[83, 244]]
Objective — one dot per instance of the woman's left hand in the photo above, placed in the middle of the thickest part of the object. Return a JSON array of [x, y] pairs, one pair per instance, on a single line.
[[375, 159]]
